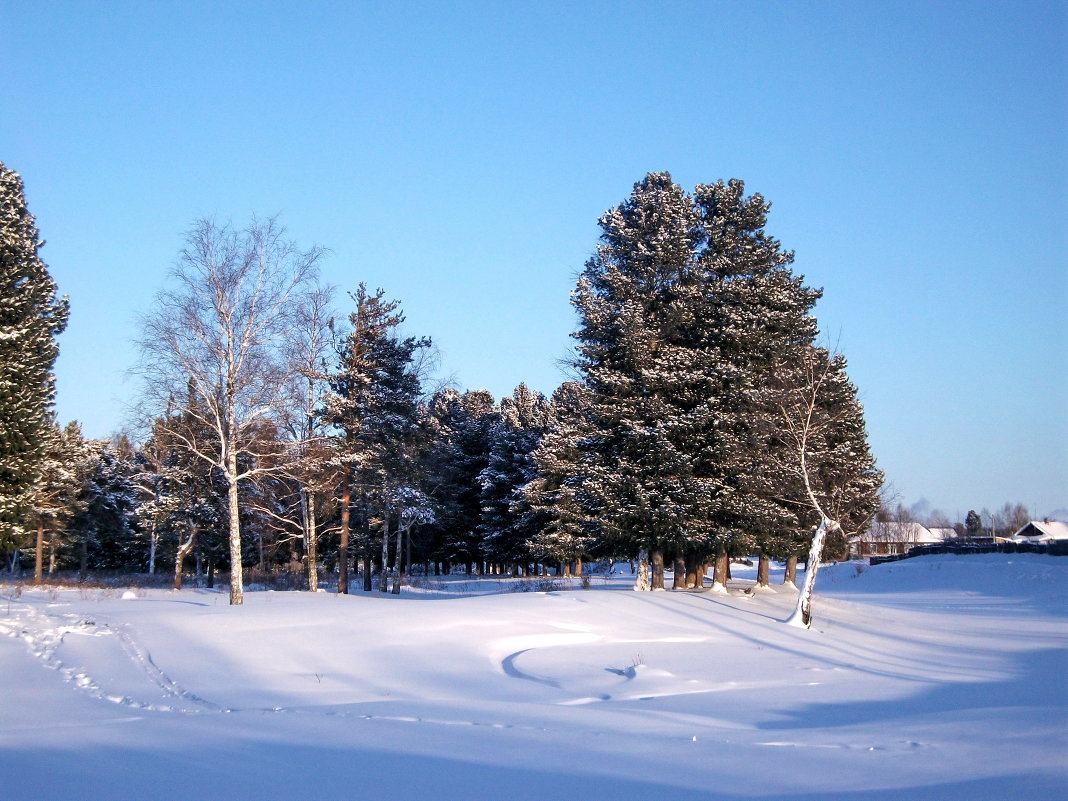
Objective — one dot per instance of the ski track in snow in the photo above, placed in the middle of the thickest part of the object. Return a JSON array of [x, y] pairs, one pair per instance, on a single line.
[[45, 634]]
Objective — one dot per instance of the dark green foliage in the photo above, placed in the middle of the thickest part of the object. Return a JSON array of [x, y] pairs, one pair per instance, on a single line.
[[30, 318]]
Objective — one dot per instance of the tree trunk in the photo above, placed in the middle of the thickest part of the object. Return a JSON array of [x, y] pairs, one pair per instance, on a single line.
[[343, 548], [578, 566], [312, 547], [83, 558], [641, 581], [153, 540], [763, 571], [720, 575], [179, 558], [679, 580], [658, 569], [368, 572], [38, 562], [397, 566], [237, 594], [211, 572], [802, 614], [692, 580], [790, 576], [383, 582]]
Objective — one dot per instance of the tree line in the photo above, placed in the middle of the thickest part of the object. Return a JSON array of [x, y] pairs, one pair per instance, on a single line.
[[705, 420]]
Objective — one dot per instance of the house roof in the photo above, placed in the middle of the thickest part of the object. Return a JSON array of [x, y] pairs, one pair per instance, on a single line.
[[912, 533], [1042, 531]]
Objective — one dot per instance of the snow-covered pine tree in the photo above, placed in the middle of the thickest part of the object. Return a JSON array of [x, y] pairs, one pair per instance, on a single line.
[[684, 311], [640, 469], [505, 529], [31, 316], [375, 407], [460, 426], [103, 524], [751, 314], [58, 494], [553, 506]]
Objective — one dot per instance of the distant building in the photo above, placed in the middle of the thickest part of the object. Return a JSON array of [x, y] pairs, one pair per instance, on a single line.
[[1042, 532], [886, 539]]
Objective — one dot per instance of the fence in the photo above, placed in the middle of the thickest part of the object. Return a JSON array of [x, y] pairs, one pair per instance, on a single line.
[[1053, 549]]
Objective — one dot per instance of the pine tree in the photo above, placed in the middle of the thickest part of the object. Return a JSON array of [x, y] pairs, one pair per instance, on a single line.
[[58, 494], [640, 474], [563, 529], [505, 529], [31, 316], [461, 426], [103, 523], [685, 310], [375, 407]]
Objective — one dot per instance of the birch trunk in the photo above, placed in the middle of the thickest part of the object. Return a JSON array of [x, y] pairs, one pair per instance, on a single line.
[[153, 540], [641, 582], [237, 595], [802, 614], [312, 547], [179, 558]]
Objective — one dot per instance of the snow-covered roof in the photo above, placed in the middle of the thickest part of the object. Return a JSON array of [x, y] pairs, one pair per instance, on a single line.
[[1042, 531], [912, 533]]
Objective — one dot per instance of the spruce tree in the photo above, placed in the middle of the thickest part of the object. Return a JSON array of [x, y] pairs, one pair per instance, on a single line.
[[553, 506], [505, 529], [31, 316], [375, 409], [461, 426], [684, 312]]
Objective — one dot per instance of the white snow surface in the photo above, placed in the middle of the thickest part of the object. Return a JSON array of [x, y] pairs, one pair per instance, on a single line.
[[941, 677]]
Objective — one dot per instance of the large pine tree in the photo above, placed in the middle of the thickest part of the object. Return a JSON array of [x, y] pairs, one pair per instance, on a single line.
[[684, 313], [30, 318]]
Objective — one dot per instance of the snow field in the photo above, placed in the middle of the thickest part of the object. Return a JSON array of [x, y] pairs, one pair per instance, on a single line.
[[935, 678]]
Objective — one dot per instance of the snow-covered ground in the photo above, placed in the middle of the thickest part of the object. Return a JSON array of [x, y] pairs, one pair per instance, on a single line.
[[943, 677]]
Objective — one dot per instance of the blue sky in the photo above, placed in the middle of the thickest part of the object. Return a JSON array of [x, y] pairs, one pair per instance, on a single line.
[[459, 154]]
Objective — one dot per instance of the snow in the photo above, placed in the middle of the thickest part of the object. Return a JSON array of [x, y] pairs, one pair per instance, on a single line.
[[941, 677]]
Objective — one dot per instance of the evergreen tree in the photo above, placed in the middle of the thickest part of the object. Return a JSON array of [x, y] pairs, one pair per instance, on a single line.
[[684, 313], [103, 523], [640, 474], [563, 530], [58, 494], [375, 407], [505, 529], [31, 316], [461, 426]]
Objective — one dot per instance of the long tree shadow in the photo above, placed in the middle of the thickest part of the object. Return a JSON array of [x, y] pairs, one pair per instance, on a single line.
[[1040, 684]]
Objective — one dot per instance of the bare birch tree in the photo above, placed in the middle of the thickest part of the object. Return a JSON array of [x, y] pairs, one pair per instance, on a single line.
[[825, 459], [216, 336]]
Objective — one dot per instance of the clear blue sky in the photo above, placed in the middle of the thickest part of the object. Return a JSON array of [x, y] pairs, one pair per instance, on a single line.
[[459, 154]]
